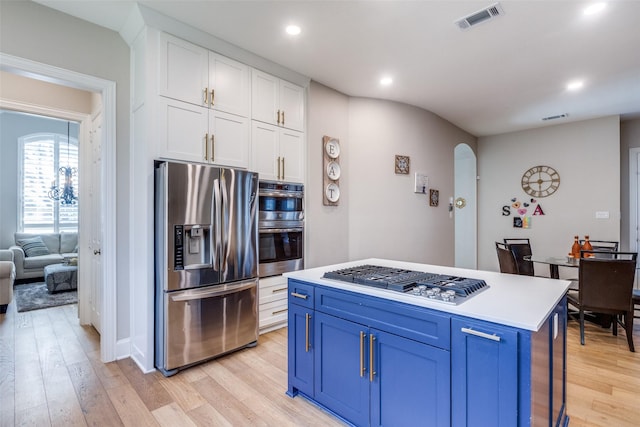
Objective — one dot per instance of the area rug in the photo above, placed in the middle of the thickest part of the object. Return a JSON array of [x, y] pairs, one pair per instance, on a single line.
[[34, 296]]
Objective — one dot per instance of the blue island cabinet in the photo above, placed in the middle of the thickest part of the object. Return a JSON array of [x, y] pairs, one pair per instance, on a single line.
[[377, 362]]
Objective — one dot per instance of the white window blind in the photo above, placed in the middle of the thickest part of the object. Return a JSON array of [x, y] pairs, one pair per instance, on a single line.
[[42, 156]]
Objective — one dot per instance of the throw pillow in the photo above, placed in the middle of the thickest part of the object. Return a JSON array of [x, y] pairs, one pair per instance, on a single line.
[[33, 246]]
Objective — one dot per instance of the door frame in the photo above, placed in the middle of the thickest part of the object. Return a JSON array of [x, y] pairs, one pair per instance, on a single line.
[[634, 158], [107, 89]]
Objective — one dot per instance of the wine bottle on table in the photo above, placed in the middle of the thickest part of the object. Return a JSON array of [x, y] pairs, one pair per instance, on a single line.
[[575, 249], [586, 246]]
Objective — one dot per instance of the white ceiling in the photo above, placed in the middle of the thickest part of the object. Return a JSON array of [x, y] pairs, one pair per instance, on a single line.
[[499, 76]]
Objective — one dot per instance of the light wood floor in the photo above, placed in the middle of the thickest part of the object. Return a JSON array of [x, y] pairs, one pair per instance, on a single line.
[[50, 374]]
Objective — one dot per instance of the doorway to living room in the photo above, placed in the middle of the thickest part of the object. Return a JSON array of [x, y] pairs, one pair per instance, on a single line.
[[105, 192]]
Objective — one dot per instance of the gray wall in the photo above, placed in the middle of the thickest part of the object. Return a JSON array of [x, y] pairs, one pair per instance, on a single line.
[[31, 31], [13, 126], [586, 154], [629, 138]]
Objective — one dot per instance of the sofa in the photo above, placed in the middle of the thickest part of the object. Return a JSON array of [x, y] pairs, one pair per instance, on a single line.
[[32, 252], [7, 275]]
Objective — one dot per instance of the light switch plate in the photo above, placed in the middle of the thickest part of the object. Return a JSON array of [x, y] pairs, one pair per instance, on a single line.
[[602, 215], [421, 183]]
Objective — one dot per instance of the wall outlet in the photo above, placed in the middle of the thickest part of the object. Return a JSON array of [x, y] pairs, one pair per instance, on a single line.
[[421, 183]]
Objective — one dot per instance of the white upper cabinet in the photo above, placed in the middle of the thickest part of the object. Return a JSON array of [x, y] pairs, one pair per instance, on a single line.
[[277, 153], [198, 76], [276, 101], [196, 134]]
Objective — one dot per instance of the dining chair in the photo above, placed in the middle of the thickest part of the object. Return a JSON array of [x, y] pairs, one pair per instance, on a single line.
[[505, 259], [606, 286], [636, 302], [602, 245], [521, 248]]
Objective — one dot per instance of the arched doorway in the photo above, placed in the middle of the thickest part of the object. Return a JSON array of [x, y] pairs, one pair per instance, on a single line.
[[465, 207]]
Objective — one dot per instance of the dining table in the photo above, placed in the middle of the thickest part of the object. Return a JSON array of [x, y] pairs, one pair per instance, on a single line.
[[554, 263]]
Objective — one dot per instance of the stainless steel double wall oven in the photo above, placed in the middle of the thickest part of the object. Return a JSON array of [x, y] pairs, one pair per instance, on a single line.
[[281, 227]]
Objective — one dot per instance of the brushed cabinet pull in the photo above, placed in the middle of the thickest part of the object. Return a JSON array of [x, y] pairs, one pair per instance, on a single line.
[[213, 147], [205, 99], [213, 98], [284, 310], [282, 117], [492, 337], [306, 333], [278, 290], [282, 168], [362, 368], [278, 117], [278, 167], [297, 295], [372, 372], [206, 146]]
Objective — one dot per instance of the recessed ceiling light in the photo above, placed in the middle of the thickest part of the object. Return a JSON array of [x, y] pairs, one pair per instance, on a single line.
[[386, 81], [293, 30], [594, 8], [575, 85]]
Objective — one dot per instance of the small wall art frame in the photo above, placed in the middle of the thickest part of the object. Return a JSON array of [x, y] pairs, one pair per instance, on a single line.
[[402, 164], [331, 171], [434, 197]]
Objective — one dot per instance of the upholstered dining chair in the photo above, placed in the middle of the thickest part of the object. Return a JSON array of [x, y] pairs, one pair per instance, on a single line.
[[521, 248], [505, 259], [606, 286]]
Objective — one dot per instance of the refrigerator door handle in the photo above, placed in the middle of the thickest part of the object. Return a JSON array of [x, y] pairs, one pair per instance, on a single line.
[[216, 219], [209, 293]]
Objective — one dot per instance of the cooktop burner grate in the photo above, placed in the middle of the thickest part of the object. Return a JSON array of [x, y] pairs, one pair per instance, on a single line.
[[438, 287]]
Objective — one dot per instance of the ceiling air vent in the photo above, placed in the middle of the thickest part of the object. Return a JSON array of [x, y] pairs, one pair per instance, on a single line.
[[557, 116], [480, 16]]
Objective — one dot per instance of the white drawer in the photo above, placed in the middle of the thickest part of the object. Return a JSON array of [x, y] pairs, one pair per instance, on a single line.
[[272, 313], [272, 289]]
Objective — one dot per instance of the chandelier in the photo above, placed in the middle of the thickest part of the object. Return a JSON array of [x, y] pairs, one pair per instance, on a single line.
[[65, 194]]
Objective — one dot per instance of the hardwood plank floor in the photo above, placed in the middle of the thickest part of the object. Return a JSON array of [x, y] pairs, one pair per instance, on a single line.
[[50, 374]]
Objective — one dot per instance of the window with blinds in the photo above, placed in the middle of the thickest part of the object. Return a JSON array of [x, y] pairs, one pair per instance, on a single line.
[[42, 155]]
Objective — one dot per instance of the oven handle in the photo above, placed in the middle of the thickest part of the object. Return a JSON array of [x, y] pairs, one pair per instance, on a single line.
[[276, 194], [279, 230], [209, 293]]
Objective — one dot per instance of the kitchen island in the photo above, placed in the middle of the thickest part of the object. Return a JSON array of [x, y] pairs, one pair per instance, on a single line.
[[374, 356]]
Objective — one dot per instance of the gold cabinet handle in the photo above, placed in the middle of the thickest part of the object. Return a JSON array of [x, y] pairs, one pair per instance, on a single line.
[[372, 372], [278, 117], [362, 368], [205, 99], [306, 333], [213, 147], [282, 169], [297, 295], [206, 146], [278, 290], [282, 117], [284, 310], [213, 95], [278, 167]]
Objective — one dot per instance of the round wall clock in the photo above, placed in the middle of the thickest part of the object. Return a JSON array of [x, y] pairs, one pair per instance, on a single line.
[[540, 181]]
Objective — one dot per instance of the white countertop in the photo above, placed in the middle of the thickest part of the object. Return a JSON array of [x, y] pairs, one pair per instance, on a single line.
[[523, 302]]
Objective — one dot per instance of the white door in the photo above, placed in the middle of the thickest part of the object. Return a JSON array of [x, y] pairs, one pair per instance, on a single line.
[[96, 230], [182, 131], [230, 82], [183, 70], [229, 139], [292, 156], [465, 212], [265, 150], [264, 97], [291, 106]]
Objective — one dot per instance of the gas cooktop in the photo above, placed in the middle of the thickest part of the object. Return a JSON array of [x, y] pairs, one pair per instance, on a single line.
[[437, 287]]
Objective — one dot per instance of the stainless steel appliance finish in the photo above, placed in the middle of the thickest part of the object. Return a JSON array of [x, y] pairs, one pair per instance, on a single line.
[[206, 263], [437, 287], [281, 227]]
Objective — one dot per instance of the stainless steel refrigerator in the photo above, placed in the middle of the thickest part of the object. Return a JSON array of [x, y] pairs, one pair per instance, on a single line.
[[206, 263]]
